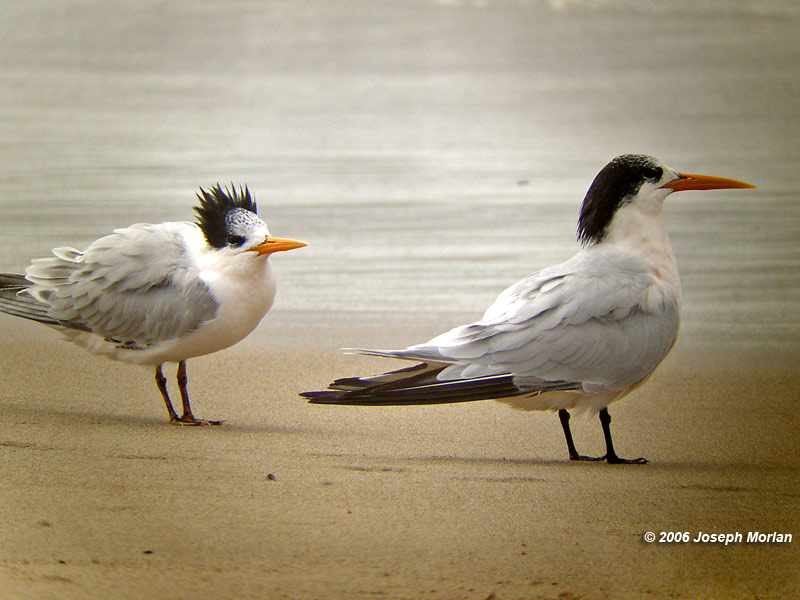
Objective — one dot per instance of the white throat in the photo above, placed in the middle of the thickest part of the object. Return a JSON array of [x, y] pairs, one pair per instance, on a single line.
[[638, 228]]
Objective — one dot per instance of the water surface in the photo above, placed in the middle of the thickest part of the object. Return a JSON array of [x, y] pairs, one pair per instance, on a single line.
[[431, 152]]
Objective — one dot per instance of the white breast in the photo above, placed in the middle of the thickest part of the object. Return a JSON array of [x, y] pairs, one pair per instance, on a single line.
[[244, 290]]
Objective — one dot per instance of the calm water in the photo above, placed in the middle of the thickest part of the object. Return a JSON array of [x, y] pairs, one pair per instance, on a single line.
[[431, 152]]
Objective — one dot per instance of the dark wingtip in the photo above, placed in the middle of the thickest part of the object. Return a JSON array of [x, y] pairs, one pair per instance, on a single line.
[[327, 397]]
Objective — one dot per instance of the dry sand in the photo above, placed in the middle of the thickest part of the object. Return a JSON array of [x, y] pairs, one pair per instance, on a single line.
[[103, 499]]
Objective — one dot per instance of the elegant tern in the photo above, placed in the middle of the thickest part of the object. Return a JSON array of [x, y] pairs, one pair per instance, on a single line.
[[577, 335], [151, 294]]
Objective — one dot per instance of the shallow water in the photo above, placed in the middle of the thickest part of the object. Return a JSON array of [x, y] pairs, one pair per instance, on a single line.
[[431, 152]]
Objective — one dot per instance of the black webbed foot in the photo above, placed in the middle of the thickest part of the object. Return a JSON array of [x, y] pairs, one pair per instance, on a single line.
[[191, 420], [616, 460], [610, 456]]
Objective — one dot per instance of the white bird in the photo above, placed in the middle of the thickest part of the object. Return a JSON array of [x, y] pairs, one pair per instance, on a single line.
[[578, 335], [151, 294]]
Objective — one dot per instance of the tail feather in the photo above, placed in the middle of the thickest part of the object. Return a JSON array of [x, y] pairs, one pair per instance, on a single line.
[[15, 300]]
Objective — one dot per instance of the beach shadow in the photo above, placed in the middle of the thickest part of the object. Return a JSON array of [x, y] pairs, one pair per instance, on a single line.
[[462, 460], [20, 414]]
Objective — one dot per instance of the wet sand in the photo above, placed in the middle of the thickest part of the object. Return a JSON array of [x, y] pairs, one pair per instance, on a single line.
[[102, 498]]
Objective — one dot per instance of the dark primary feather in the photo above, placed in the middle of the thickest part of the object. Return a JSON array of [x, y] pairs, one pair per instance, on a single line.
[[215, 205], [613, 186], [15, 300], [419, 385], [13, 280]]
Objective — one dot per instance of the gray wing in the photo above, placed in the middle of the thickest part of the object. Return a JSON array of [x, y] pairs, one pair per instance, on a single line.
[[599, 320], [137, 285]]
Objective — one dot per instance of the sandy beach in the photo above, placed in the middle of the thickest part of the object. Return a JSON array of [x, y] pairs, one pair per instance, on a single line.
[[102, 498]]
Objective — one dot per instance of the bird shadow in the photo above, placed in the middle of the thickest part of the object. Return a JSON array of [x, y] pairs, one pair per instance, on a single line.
[[31, 415]]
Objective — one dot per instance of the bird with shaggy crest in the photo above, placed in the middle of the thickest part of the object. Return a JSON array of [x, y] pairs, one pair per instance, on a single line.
[[151, 294]]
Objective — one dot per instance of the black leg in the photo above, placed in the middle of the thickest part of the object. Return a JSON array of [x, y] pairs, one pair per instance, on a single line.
[[161, 382], [188, 418], [611, 456], [563, 415]]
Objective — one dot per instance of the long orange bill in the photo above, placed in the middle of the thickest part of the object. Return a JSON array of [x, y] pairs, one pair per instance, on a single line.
[[690, 181], [274, 244]]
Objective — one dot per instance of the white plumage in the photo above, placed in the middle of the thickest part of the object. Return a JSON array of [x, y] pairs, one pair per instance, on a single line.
[[578, 335], [150, 294]]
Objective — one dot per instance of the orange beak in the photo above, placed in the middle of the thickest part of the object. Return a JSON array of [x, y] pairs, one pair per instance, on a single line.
[[690, 181], [274, 244]]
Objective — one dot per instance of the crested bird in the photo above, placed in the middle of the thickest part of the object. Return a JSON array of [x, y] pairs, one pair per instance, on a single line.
[[577, 335], [150, 294]]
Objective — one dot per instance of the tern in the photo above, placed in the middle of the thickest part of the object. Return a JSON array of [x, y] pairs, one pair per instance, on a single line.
[[578, 335], [150, 294]]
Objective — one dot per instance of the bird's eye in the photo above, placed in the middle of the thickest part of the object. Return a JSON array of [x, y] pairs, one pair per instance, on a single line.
[[235, 240], [654, 173]]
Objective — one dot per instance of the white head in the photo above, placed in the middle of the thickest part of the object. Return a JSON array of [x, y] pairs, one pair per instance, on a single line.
[[229, 220], [639, 181]]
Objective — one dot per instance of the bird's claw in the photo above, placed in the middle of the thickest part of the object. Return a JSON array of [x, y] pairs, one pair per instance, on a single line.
[[612, 460], [581, 457], [616, 460], [193, 422]]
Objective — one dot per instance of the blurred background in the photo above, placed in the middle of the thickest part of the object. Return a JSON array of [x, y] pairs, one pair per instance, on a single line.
[[431, 152]]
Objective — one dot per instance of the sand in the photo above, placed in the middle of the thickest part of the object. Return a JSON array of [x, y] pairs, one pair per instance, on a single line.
[[102, 498]]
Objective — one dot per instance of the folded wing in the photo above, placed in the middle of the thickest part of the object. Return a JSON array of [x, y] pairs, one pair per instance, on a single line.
[[597, 322], [136, 286]]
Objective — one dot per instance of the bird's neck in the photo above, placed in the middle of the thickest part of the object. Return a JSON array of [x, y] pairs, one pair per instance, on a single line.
[[639, 230]]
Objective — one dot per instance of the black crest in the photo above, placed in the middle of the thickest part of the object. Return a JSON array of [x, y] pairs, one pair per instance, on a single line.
[[216, 205], [613, 186]]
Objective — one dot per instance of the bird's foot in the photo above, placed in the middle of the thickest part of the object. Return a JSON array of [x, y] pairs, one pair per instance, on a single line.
[[581, 457], [616, 460], [192, 421], [612, 460]]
